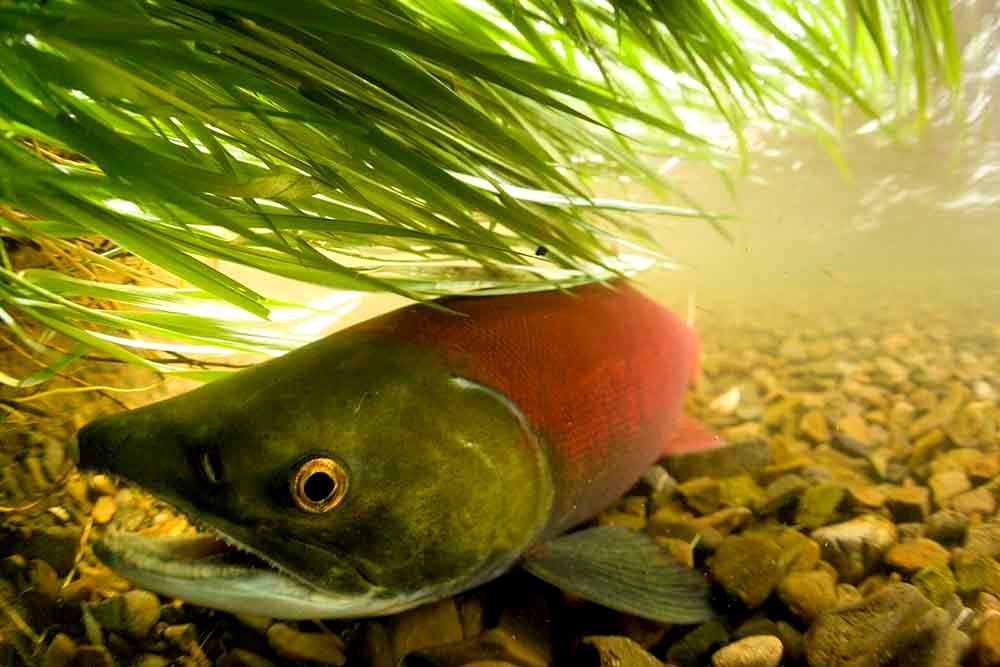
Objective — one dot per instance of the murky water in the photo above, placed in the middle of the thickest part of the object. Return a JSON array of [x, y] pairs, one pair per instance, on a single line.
[[851, 358]]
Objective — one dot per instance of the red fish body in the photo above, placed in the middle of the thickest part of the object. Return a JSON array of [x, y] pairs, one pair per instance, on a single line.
[[599, 372]]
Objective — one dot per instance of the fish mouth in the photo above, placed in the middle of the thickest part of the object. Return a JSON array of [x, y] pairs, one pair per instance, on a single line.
[[211, 569]]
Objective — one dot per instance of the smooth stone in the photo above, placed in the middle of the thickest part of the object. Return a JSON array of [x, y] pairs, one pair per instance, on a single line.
[[916, 555], [936, 582], [984, 539], [134, 612], [946, 526], [743, 458], [495, 645], [908, 503], [429, 625], [977, 501], [808, 594], [93, 656], [988, 641], [739, 491], [756, 651], [59, 652], [694, 648], [780, 493], [885, 624], [856, 547], [104, 509], [946, 485], [818, 505], [612, 651], [813, 426], [702, 494], [57, 546], [865, 498], [748, 568], [312, 646], [854, 435]]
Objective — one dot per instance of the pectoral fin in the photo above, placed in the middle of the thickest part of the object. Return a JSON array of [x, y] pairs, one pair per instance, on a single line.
[[625, 570]]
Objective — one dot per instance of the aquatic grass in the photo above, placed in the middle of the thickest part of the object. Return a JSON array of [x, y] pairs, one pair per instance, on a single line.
[[420, 147]]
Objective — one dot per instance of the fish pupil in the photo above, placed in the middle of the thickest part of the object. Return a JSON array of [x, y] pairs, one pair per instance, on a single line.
[[319, 486]]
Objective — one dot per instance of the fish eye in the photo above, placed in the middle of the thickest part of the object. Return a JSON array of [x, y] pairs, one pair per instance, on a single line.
[[318, 484]]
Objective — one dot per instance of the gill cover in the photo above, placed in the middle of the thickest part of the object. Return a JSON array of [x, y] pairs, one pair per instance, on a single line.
[[428, 483]]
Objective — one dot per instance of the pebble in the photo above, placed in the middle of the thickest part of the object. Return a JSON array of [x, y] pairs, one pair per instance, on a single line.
[[984, 539], [57, 545], [800, 553], [495, 645], [936, 582], [780, 493], [612, 651], [748, 568], [695, 647], [908, 503], [59, 652], [424, 627], [739, 491], [104, 509], [856, 547], [885, 624], [293, 644], [93, 656], [918, 554], [865, 498], [808, 594], [134, 612], [239, 657], [702, 494], [977, 501], [53, 458], [854, 435], [818, 505], [756, 651], [738, 458], [988, 641], [813, 426], [946, 485]]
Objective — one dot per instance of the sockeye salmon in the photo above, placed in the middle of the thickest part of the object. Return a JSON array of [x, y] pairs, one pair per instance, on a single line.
[[417, 455]]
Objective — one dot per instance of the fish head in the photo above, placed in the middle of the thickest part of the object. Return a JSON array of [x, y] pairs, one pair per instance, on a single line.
[[356, 476]]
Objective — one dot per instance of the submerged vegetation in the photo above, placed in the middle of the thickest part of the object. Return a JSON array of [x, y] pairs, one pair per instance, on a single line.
[[419, 147]]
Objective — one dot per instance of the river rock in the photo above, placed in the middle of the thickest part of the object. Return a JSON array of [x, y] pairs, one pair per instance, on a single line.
[[782, 492], [294, 644], [918, 554], [693, 649], [885, 624], [988, 642], [977, 501], [755, 651], [984, 539], [611, 651], [748, 568], [808, 594], [744, 458], [946, 526], [855, 547], [818, 505], [936, 582], [134, 612], [908, 503], [946, 485]]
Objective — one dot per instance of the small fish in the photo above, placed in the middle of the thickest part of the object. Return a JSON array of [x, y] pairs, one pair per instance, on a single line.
[[416, 455]]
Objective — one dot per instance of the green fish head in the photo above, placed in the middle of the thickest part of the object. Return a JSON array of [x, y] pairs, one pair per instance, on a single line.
[[355, 476]]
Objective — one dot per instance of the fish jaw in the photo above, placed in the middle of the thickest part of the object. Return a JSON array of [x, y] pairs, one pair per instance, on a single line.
[[194, 569]]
